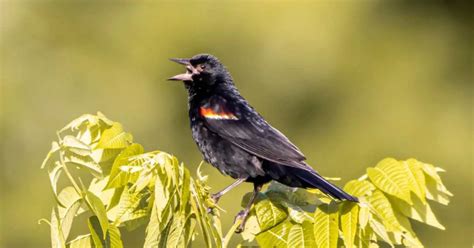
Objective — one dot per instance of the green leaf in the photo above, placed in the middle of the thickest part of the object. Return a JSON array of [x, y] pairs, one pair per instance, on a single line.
[[384, 210], [366, 238], [435, 189], [276, 236], [98, 208], [54, 171], [390, 176], [152, 237], [128, 208], [326, 222], [301, 235], [174, 237], [416, 178], [76, 146], [359, 188], [119, 178], [84, 161], [97, 187], [83, 120], [378, 228], [252, 228], [49, 157], [297, 214], [269, 214], [162, 194], [68, 217], [81, 241], [349, 217], [115, 137], [420, 212], [57, 237], [114, 238], [97, 233]]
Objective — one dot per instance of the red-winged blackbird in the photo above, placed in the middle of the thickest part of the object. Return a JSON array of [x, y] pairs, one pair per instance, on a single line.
[[236, 139]]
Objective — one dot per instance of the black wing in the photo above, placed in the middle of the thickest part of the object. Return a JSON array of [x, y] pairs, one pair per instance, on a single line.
[[240, 124]]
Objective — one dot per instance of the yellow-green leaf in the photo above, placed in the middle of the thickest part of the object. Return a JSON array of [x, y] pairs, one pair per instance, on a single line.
[[420, 212], [81, 241], [384, 211], [326, 222], [390, 176], [301, 235], [359, 188], [68, 217], [57, 237], [276, 236], [97, 234], [49, 157], [115, 137], [349, 217], [119, 178], [416, 178], [98, 208], [269, 214]]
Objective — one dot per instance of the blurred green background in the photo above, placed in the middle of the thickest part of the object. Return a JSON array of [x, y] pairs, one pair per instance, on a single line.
[[349, 82]]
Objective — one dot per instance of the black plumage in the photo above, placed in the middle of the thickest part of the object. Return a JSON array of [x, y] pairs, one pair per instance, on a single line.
[[236, 139]]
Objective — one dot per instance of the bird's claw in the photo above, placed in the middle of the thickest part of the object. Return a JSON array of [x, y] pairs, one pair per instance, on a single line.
[[242, 215], [215, 197]]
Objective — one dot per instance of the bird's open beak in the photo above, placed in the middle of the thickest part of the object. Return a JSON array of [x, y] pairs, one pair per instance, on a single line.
[[181, 61], [188, 75]]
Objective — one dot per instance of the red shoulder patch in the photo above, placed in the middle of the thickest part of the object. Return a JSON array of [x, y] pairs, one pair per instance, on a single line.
[[211, 114]]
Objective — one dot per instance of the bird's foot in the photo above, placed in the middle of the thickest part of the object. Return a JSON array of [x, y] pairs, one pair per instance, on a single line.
[[215, 198], [242, 215]]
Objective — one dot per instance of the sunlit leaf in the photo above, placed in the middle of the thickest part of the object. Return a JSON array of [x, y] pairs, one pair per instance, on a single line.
[[175, 235], [115, 137], [359, 188], [349, 218], [420, 212], [269, 214], [276, 236], [297, 214], [384, 211], [57, 237], [390, 176], [68, 217], [81, 241], [114, 238], [379, 229], [326, 222], [301, 235], [97, 207], [49, 157], [119, 178], [416, 178], [75, 145], [54, 171], [97, 234], [74, 159], [152, 237]]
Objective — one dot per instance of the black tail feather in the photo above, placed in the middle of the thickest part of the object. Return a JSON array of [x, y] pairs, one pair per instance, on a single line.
[[314, 180]]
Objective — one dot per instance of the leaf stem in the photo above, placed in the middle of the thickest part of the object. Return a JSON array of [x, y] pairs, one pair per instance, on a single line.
[[230, 233]]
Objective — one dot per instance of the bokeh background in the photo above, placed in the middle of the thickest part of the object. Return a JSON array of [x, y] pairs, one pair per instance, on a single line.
[[350, 82]]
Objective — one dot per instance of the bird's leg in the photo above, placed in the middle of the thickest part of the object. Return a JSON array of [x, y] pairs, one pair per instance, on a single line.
[[244, 213], [219, 194]]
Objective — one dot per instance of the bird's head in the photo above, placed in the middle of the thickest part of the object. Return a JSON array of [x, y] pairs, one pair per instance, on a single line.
[[203, 71]]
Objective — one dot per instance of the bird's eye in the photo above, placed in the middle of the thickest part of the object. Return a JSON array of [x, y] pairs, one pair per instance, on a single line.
[[203, 67]]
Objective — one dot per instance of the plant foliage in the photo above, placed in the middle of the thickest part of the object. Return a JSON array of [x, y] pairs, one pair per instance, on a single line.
[[125, 187]]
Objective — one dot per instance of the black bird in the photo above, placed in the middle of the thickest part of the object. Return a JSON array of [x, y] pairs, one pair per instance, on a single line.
[[236, 139]]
